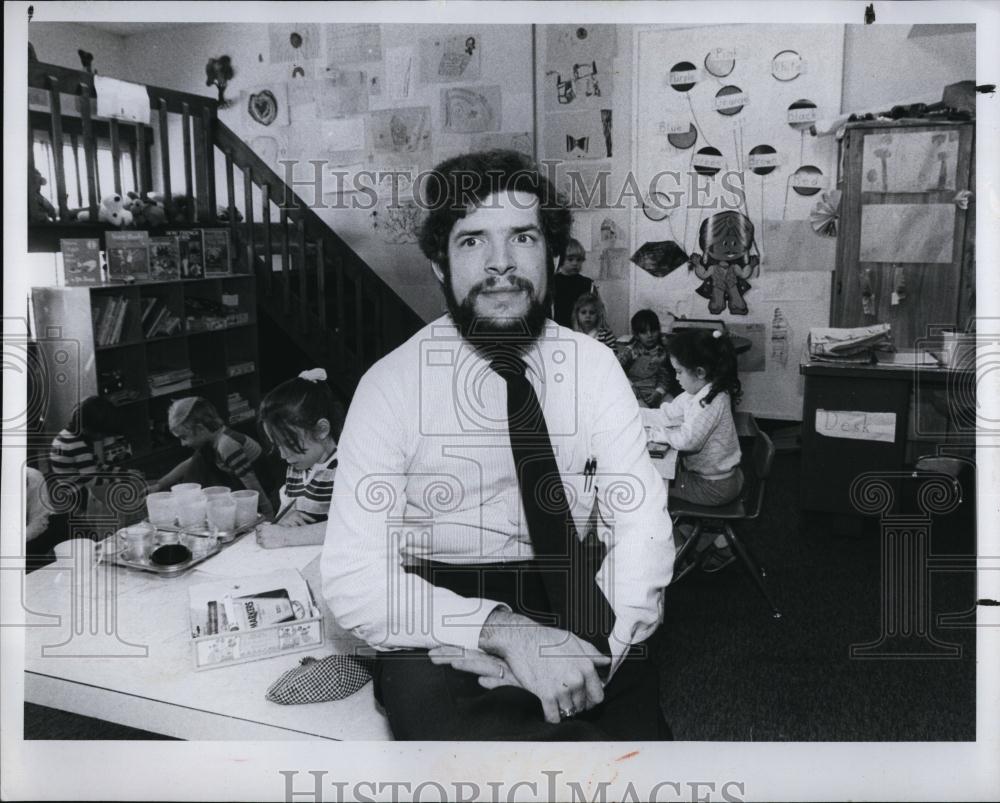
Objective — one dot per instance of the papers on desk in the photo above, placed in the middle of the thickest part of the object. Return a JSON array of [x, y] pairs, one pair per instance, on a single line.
[[246, 556]]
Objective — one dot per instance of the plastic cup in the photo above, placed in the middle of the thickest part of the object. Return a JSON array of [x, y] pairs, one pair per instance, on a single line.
[[246, 507], [215, 490], [191, 510], [222, 513], [137, 540], [162, 508], [185, 487]]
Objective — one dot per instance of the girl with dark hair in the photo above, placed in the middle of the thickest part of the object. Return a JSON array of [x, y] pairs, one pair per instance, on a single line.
[[303, 419], [699, 424]]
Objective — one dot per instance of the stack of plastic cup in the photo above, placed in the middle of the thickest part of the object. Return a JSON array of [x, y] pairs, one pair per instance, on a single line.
[[185, 487], [162, 509], [246, 507]]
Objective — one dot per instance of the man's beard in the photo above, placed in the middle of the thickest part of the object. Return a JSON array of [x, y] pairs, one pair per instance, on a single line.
[[486, 330]]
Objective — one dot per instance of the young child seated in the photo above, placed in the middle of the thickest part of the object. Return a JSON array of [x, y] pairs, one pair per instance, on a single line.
[[303, 419], [76, 457], [645, 361], [568, 284], [699, 423], [222, 456], [590, 318]]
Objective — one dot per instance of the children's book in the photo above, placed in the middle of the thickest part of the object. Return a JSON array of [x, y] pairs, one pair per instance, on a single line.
[[217, 256], [192, 252], [164, 258], [128, 255], [81, 261]]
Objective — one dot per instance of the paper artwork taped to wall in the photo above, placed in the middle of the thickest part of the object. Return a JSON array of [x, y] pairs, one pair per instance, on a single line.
[[726, 239], [450, 58], [470, 110], [909, 162], [295, 41], [399, 77], [404, 130], [342, 94], [353, 43], [522, 142], [613, 264], [265, 106], [781, 338], [578, 135], [578, 66], [396, 223], [907, 233]]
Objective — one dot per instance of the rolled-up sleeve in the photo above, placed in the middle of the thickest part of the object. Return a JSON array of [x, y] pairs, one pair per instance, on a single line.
[[364, 582]]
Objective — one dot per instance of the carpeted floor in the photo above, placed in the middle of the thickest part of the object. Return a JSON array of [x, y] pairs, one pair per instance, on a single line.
[[732, 673]]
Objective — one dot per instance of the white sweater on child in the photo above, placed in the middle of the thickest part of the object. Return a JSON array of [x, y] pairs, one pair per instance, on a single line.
[[707, 434]]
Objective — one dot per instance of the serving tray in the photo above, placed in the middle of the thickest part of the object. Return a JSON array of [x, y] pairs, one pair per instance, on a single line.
[[193, 539]]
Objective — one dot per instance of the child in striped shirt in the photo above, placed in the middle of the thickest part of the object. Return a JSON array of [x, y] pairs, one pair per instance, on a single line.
[[303, 419], [699, 424], [222, 456], [75, 455]]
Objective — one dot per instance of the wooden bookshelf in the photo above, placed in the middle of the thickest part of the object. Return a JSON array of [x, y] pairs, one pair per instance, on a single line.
[[211, 351]]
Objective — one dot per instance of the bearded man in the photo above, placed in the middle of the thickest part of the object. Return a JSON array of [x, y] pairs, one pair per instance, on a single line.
[[498, 533]]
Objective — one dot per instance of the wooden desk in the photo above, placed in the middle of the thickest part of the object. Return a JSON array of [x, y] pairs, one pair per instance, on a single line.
[[130, 662], [830, 464]]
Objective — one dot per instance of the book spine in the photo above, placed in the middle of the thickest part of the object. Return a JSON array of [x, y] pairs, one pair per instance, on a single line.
[[119, 321]]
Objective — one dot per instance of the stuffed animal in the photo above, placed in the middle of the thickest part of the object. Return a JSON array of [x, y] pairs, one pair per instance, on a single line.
[[39, 208], [726, 238], [147, 211], [112, 210]]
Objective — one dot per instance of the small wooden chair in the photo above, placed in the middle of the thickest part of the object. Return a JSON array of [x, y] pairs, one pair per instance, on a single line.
[[720, 519]]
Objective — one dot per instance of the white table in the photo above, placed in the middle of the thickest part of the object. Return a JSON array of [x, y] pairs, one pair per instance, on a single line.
[[129, 661]]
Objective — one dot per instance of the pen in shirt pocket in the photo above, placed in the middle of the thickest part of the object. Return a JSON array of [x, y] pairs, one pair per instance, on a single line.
[[589, 470]]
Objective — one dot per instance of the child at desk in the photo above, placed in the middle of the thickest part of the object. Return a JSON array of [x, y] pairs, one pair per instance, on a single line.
[[222, 456], [76, 456], [303, 419], [699, 424], [645, 360]]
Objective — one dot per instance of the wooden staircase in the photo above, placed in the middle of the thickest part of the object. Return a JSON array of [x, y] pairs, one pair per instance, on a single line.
[[330, 303]]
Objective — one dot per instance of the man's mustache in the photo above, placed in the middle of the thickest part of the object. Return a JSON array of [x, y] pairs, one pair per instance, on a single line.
[[501, 284]]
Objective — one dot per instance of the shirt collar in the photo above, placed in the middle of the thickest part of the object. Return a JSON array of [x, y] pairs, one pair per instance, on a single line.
[[701, 394], [536, 356]]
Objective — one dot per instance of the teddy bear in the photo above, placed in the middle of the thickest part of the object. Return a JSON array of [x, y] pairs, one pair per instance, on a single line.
[[40, 210], [147, 210], [112, 210]]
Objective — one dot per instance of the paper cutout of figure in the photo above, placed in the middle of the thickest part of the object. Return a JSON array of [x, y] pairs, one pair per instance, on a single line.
[[726, 239]]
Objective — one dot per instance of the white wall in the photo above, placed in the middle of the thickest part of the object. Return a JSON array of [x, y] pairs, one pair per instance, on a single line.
[[57, 43], [884, 65], [506, 60]]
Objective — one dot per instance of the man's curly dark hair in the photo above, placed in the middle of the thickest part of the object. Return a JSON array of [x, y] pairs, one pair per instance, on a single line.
[[462, 183]]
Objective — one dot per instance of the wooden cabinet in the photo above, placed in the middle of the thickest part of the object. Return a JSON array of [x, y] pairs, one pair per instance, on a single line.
[[205, 345], [910, 295]]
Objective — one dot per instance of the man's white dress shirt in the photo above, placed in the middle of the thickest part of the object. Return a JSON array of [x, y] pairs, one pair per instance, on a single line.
[[426, 472]]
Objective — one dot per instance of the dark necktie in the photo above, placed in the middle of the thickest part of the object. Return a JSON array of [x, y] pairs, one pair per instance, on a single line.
[[566, 565]]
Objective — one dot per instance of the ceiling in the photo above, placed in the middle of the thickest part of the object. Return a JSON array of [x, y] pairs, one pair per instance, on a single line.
[[129, 28]]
